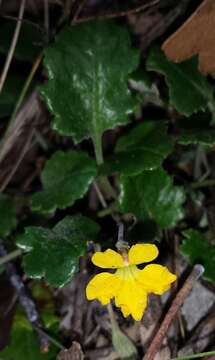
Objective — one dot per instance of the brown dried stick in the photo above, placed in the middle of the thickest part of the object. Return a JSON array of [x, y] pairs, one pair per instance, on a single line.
[[122, 13], [177, 302], [13, 45]]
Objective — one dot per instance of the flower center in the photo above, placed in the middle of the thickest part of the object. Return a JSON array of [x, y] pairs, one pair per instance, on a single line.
[[127, 272]]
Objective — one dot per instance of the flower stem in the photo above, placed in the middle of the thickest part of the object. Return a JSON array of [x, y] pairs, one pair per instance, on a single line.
[[121, 342]]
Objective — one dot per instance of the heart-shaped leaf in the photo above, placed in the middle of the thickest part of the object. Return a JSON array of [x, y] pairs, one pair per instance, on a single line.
[[189, 90], [54, 254], [143, 148], [66, 178], [152, 194], [90, 63]]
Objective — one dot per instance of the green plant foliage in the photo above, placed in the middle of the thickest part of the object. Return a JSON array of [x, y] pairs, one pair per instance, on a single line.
[[189, 90], [29, 42], [197, 249], [66, 178], [143, 148], [93, 94], [24, 343], [55, 253], [152, 194], [142, 82], [8, 215], [10, 93], [197, 136]]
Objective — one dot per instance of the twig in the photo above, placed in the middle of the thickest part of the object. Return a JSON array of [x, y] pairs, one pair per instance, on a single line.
[[177, 302], [204, 183], [27, 84], [78, 11], [11, 256], [12, 46], [25, 299], [24, 21], [16, 166], [49, 337], [100, 196], [46, 19], [118, 14]]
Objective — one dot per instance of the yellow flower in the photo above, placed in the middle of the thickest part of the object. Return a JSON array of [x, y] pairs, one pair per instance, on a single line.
[[129, 285]]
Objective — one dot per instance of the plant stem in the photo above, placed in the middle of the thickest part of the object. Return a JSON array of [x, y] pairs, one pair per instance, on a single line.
[[50, 338], [13, 255], [27, 84], [107, 211], [195, 356], [113, 321], [205, 183], [108, 188], [104, 181]]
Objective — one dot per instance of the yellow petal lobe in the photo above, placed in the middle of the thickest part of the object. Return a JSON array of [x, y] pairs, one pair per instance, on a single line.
[[103, 287], [141, 253], [108, 259], [156, 278], [132, 299]]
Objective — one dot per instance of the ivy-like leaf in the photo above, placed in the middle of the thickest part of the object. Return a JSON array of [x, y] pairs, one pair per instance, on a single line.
[[54, 254], [143, 148], [152, 194], [197, 249], [90, 64], [189, 90], [66, 178], [8, 215], [24, 343]]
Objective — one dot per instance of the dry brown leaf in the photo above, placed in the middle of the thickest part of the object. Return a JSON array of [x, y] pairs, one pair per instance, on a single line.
[[73, 353], [195, 36]]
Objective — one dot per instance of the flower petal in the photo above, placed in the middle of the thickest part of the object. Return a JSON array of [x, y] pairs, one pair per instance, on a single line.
[[156, 278], [103, 287], [108, 259], [132, 299], [141, 253]]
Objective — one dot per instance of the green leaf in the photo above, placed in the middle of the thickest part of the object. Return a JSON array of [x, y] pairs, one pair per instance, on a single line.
[[10, 93], [142, 82], [143, 148], [24, 343], [152, 194], [197, 249], [90, 63], [189, 90], [66, 178], [201, 136], [54, 254], [8, 215], [29, 42]]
